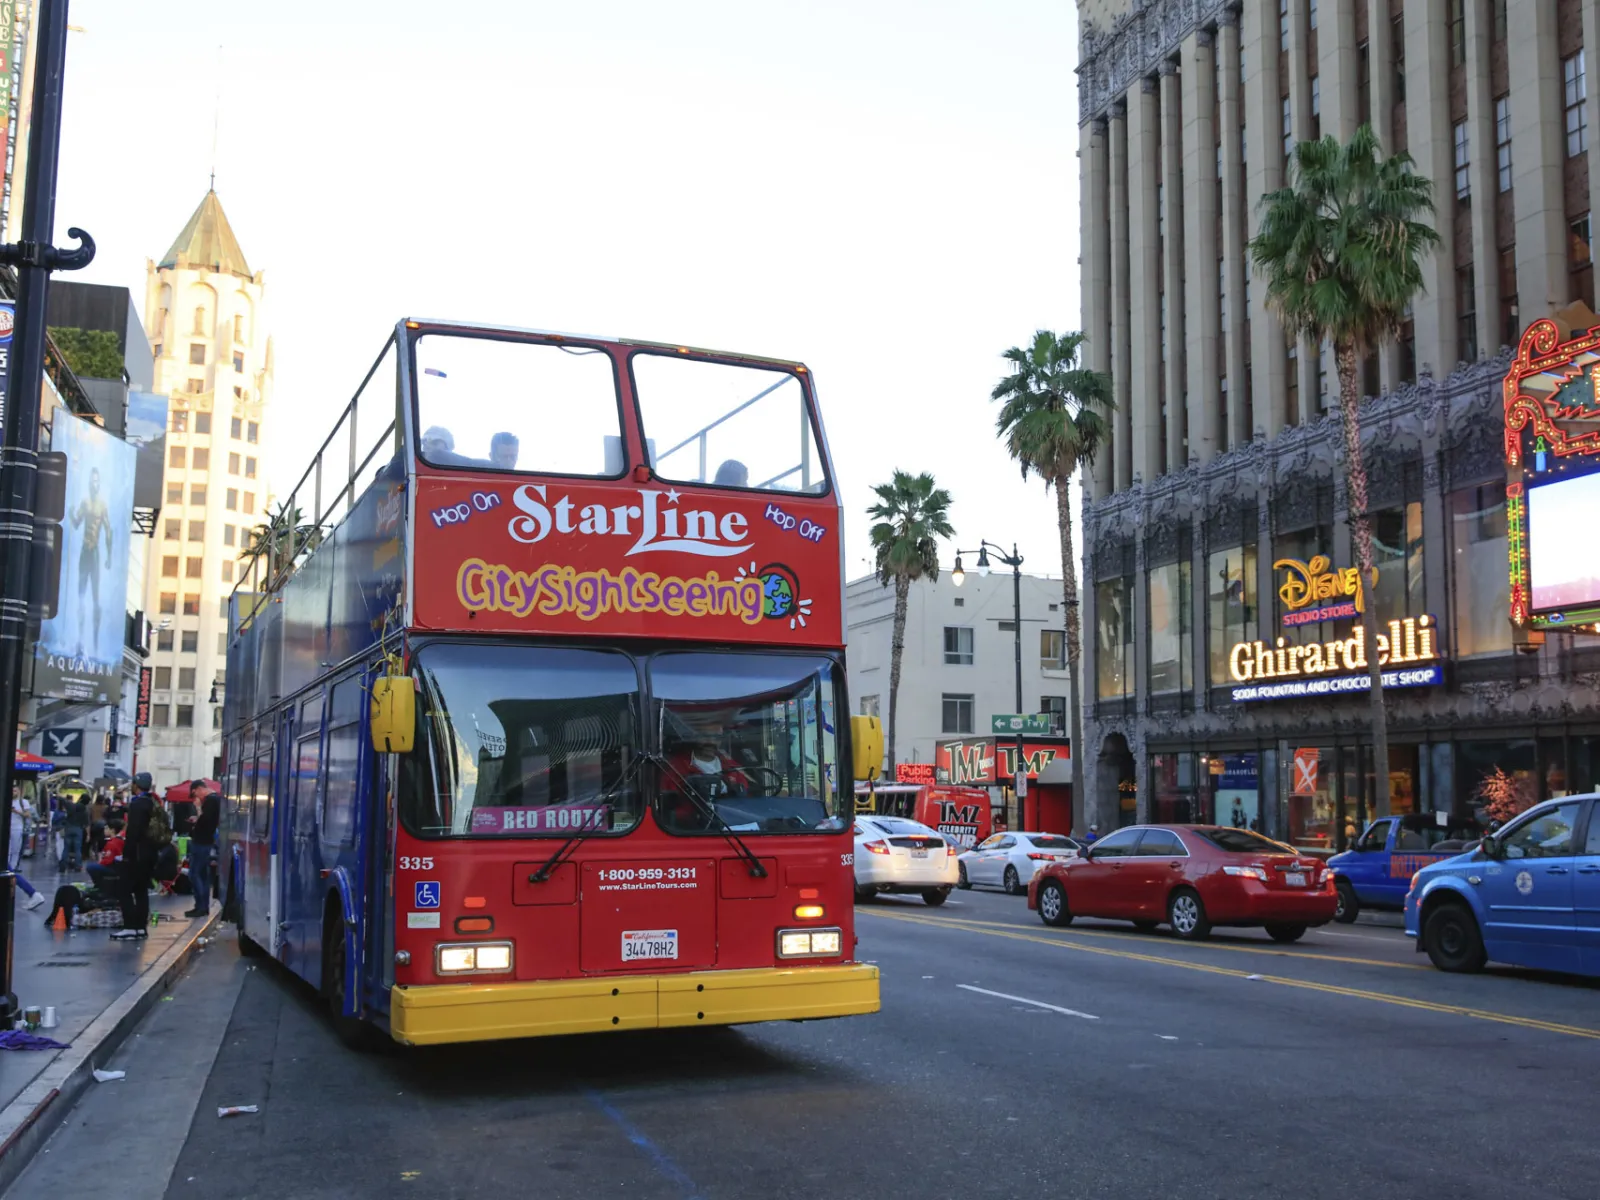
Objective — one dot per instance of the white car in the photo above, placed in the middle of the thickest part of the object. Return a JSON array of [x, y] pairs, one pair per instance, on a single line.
[[1009, 860], [897, 855]]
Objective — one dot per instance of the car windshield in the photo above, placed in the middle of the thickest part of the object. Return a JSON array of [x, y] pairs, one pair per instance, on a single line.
[[1242, 841], [749, 742], [1053, 841], [523, 741]]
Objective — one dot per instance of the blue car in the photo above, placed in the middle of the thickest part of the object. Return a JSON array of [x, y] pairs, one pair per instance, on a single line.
[[1528, 895], [1377, 869]]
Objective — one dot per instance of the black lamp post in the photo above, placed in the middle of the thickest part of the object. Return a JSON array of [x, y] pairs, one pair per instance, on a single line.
[[1014, 561]]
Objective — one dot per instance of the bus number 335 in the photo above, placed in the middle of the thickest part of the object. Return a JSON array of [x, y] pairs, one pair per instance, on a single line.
[[414, 862]]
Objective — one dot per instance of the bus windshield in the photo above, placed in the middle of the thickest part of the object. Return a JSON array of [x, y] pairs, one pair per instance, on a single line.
[[523, 740], [748, 742]]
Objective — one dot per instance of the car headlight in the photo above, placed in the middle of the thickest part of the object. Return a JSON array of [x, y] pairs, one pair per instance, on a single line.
[[473, 958], [809, 943]]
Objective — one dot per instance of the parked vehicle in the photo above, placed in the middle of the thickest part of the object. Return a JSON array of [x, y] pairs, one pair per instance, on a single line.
[[1010, 860], [960, 814], [897, 855], [1527, 895], [1377, 869], [1191, 877]]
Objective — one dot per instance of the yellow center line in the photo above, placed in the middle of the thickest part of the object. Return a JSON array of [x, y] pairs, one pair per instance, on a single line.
[[1061, 943], [1116, 935]]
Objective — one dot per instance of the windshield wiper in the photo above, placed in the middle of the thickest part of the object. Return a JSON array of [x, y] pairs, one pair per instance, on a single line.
[[757, 871], [586, 830]]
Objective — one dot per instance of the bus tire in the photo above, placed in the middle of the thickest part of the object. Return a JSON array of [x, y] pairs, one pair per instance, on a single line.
[[353, 1031], [249, 947]]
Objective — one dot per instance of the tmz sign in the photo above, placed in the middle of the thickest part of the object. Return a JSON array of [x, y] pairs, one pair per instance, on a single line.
[[989, 760]]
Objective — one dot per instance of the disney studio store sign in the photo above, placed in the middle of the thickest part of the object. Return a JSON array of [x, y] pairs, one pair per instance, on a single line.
[[1311, 592]]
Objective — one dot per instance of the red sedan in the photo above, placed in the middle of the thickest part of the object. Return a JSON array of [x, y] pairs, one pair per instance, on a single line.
[[1192, 877]]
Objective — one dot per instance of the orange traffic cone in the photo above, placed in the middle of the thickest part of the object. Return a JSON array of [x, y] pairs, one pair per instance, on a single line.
[[61, 919]]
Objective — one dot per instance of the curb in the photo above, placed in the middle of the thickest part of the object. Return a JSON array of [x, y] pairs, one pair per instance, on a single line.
[[29, 1120]]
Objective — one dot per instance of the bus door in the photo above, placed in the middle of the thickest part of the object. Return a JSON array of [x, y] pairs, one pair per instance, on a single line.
[[299, 860], [259, 837], [341, 851]]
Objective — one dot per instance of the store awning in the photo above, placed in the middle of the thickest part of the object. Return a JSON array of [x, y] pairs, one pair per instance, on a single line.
[[114, 777], [31, 762]]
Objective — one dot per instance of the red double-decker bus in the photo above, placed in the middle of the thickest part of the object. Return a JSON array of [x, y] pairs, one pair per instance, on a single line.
[[535, 717]]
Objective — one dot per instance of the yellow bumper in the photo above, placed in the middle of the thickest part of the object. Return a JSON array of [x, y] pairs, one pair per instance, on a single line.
[[479, 1012]]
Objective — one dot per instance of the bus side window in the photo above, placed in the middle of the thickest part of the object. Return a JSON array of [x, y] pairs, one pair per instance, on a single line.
[[307, 765], [342, 762]]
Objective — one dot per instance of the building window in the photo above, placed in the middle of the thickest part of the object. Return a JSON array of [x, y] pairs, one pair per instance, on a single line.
[[230, 500], [869, 705], [249, 468], [172, 529], [194, 568], [169, 566], [200, 320], [1482, 584], [233, 464], [1231, 605], [160, 715], [238, 361], [1467, 307], [164, 640], [185, 716], [957, 713], [1292, 385], [202, 422], [1510, 325], [1397, 553], [238, 394], [197, 354], [1171, 637], [197, 385], [224, 608], [1222, 294], [222, 642], [236, 427], [1498, 14], [227, 535], [191, 606], [163, 679], [176, 457], [1458, 33], [216, 717], [1283, 26], [180, 421], [197, 531], [1113, 632], [238, 328], [197, 494], [1052, 650], [1055, 707], [1502, 141], [253, 433], [200, 460], [191, 641], [169, 602], [1316, 106], [1288, 129], [1576, 85], [186, 679], [1397, 44], [958, 645], [1581, 260], [156, 350], [1312, 14], [227, 570], [174, 493], [1463, 163], [1364, 84], [249, 502]]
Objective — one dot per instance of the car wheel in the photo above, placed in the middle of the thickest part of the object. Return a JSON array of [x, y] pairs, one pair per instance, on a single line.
[[962, 881], [1053, 904], [863, 894], [934, 897], [1452, 940], [1146, 926], [1286, 933], [1349, 907], [1013, 883], [1187, 915]]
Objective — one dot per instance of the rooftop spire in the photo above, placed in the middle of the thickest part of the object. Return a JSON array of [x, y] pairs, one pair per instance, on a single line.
[[207, 242]]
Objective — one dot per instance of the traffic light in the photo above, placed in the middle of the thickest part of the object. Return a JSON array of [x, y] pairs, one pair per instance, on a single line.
[[49, 509]]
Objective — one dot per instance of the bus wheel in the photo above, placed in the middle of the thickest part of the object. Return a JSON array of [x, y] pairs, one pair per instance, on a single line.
[[249, 947], [352, 1031]]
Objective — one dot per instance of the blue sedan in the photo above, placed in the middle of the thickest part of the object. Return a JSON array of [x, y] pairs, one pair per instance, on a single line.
[[1528, 896]]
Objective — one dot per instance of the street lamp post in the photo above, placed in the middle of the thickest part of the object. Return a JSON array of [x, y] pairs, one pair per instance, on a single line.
[[34, 257], [1014, 561]]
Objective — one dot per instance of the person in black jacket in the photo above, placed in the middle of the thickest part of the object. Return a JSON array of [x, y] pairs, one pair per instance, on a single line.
[[138, 861], [203, 847]]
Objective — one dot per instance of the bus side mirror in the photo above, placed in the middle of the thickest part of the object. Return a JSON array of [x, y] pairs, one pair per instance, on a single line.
[[394, 714], [866, 747]]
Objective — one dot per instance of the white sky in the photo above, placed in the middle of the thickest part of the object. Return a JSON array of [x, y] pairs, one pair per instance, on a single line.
[[884, 189]]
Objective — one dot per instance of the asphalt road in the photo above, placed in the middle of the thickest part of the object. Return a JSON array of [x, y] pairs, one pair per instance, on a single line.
[[1009, 1060]]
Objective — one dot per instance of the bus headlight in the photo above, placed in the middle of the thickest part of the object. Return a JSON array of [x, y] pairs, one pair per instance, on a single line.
[[473, 958], [809, 943]]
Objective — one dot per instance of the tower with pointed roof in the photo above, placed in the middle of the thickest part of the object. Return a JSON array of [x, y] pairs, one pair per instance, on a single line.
[[206, 315]]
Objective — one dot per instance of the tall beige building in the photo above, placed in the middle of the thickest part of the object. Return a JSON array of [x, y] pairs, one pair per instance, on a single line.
[[1225, 458], [205, 312]]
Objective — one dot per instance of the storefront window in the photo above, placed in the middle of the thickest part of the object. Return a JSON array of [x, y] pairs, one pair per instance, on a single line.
[[1237, 791], [1482, 587], [1312, 797], [1171, 639], [1231, 603], [1113, 603], [1397, 553], [1302, 545], [1174, 789], [1497, 779]]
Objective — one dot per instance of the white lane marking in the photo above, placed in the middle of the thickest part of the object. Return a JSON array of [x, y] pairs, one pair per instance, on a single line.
[[1360, 937], [1069, 1012], [1166, 1037]]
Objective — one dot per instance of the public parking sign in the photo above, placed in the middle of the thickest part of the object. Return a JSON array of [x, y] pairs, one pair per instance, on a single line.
[[1004, 723]]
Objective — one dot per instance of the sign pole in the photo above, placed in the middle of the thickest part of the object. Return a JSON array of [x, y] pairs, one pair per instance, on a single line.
[[34, 257]]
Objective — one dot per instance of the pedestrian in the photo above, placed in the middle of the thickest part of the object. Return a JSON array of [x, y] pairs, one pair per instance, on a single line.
[[74, 828], [139, 858], [203, 846], [19, 815], [98, 810], [106, 874], [1093, 835], [184, 808]]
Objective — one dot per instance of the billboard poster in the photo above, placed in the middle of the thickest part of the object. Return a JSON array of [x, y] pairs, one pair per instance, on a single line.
[[986, 760], [141, 719], [79, 652], [147, 433], [8, 326]]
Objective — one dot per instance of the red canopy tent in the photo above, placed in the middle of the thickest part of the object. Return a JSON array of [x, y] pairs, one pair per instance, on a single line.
[[31, 762], [180, 791]]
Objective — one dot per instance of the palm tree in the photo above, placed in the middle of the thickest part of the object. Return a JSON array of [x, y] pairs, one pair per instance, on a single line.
[[1053, 421], [281, 541], [1341, 249], [911, 515]]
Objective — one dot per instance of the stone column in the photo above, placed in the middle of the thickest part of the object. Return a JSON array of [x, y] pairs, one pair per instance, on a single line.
[[1300, 68], [1485, 180], [1308, 363], [1380, 66], [1429, 132], [1264, 153], [1121, 368], [1336, 66], [1538, 159], [1200, 243], [1175, 183], [1144, 271], [1095, 257], [1234, 253]]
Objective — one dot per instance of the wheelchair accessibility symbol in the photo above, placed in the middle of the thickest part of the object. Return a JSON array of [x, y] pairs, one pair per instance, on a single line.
[[427, 894]]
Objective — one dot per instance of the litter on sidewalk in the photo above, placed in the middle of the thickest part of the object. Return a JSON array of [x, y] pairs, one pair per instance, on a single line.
[[108, 1076], [234, 1110], [21, 1039]]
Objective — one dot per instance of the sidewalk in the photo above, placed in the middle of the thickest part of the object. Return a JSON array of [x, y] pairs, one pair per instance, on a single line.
[[100, 989]]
